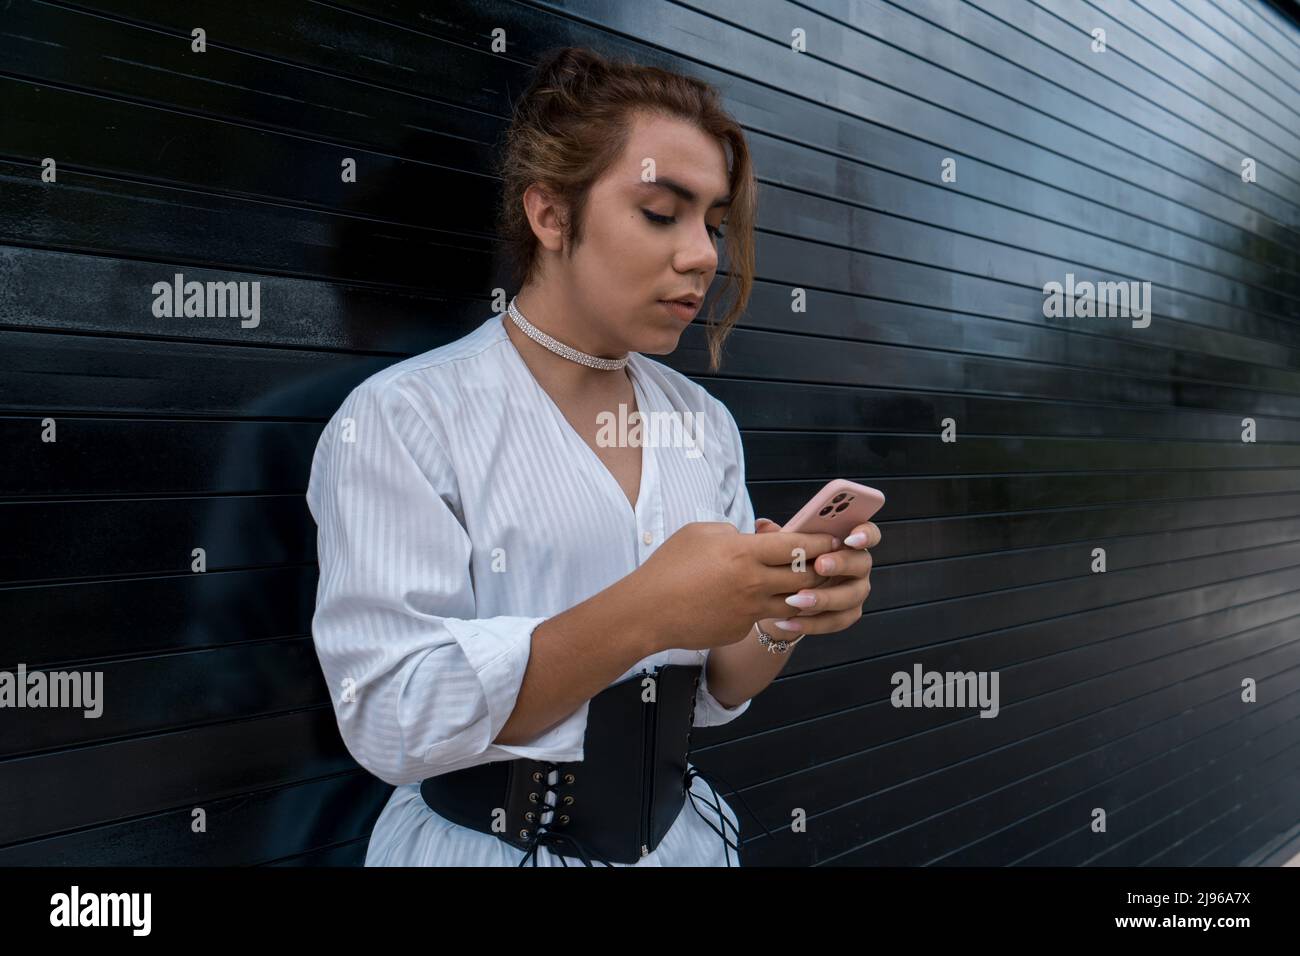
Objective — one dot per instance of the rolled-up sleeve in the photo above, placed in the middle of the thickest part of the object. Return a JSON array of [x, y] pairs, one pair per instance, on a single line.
[[709, 712], [420, 685]]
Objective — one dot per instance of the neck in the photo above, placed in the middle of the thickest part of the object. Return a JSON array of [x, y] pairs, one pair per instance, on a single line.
[[556, 371]]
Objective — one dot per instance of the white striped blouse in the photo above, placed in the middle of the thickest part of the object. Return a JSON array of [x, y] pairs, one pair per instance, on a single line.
[[457, 509]]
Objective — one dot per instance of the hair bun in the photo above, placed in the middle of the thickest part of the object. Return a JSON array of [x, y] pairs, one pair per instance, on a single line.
[[569, 68]]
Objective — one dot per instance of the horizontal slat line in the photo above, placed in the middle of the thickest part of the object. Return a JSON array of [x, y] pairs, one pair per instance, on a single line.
[[415, 228], [154, 814], [1052, 186], [1163, 15], [933, 646], [1192, 774], [1284, 30], [1022, 287], [1244, 86], [81, 663], [780, 482], [1277, 850], [343, 9], [180, 418], [897, 522], [217, 119], [1222, 729], [194, 190], [938, 645], [1188, 742], [1120, 375], [1228, 42], [424, 101], [238, 385], [740, 327], [298, 662], [1189, 776], [152, 576], [314, 729], [886, 212], [16, 414], [1109, 504], [86, 663], [1039, 772], [576, 17], [403, 27], [1267, 798], [791, 482], [1140, 65], [201, 340], [189, 650], [819, 432], [849, 28], [1165, 317], [28, 584], [327, 705], [1006, 785], [1285, 757], [1275, 652], [986, 238], [335, 208]]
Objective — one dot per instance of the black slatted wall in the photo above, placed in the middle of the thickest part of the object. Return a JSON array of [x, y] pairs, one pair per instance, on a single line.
[[1119, 690]]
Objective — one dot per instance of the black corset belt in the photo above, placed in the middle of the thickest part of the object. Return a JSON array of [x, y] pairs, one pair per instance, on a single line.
[[617, 803]]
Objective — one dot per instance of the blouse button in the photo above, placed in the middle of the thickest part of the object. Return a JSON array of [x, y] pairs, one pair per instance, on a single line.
[[647, 537]]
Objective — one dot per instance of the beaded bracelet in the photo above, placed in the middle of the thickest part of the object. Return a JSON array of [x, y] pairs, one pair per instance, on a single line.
[[773, 645]]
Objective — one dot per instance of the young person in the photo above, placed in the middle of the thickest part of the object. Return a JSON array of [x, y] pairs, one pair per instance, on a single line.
[[519, 619]]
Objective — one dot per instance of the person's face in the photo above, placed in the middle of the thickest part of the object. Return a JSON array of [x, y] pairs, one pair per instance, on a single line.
[[644, 242]]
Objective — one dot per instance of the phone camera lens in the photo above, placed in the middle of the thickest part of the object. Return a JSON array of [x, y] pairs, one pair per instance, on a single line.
[[838, 498], [841, 507], [824, 512]]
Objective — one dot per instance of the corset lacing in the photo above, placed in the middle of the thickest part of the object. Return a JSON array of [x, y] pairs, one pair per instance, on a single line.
[[545, 833], [727, 845]]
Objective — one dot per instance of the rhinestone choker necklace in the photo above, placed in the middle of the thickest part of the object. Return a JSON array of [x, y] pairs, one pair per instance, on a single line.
[[559, 348]]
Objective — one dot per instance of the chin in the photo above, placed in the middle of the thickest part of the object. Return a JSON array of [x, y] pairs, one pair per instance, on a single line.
[[662, 344]]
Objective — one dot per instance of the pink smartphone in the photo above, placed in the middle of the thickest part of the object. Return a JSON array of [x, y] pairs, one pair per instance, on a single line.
[[837, 509]]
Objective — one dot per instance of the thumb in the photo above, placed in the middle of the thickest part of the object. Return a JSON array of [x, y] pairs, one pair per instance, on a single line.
[[765, 524]]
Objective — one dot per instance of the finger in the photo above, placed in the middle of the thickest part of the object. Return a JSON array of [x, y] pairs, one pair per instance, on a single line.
[[828, 623], [839, 594], [765, 526], [778, 548], [870, 536], [844, 562], [781, 582]]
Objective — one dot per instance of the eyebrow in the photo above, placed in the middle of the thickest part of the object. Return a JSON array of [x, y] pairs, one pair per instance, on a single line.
[[687, 194]]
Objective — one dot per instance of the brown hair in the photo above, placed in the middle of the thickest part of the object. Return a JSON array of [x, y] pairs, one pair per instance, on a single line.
[[572, 123]]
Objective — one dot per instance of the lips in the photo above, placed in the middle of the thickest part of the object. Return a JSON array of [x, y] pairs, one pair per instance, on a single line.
[[681, 308]]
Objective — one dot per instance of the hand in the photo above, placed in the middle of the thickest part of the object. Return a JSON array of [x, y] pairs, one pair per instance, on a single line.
[[838, 604], [708, 583]]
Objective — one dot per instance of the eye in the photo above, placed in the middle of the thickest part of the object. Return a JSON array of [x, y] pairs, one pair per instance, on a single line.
[[714, 231]]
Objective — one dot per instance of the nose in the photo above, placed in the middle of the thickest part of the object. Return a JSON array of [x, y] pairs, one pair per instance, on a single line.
[[698, 254]]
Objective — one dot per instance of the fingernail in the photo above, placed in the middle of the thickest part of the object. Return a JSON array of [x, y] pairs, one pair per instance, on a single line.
[[828, 566], [801, 600], [855, 539], [788, 625], [835, 542]]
